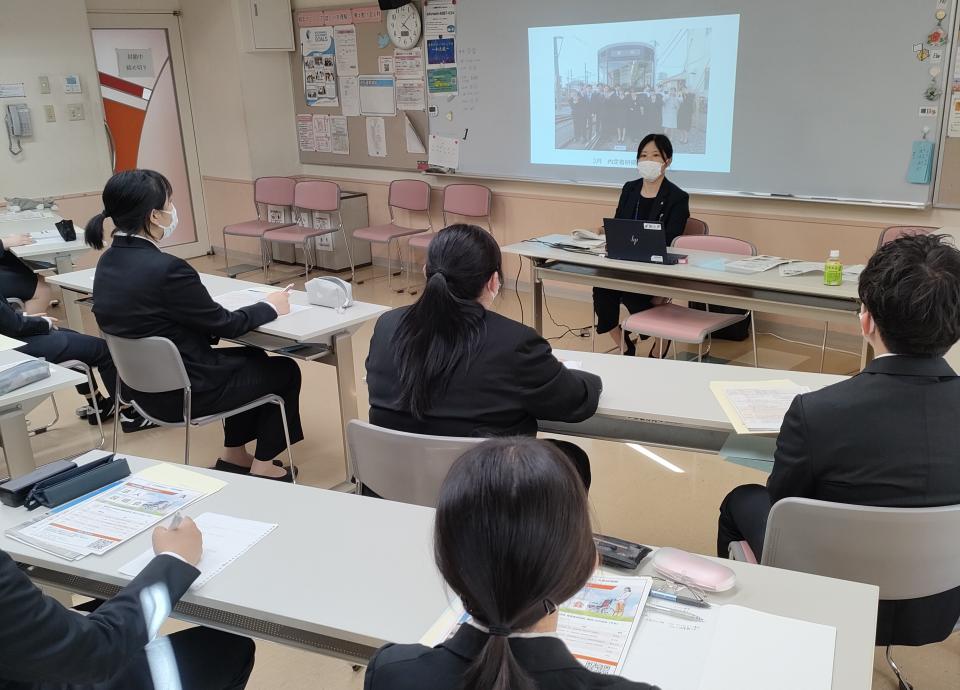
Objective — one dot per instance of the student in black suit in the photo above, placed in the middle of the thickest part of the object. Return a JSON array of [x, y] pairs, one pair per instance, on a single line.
[[449, 366], [48, 647], [18, 281], [139, 291], [42, 338], [513, 540], [652, 197], [889, 436]]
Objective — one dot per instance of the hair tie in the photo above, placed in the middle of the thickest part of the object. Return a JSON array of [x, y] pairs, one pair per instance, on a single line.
[[105, 214], [499, 630]]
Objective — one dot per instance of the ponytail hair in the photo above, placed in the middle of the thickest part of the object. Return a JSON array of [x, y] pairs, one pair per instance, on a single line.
[[443, 327], [512, 538], [129, 197]]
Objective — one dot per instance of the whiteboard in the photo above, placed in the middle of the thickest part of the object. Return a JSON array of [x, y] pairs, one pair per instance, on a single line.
[[826, 104]]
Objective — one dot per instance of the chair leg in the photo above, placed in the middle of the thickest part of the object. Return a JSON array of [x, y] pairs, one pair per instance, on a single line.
[[700, 351], [266, 254], [286, 435], [116, 416], [401, 269], [623, 340], [823, 345], [389, 267], [346, 244], [96, 410], [904, 685], [753, 335], [187, 416]]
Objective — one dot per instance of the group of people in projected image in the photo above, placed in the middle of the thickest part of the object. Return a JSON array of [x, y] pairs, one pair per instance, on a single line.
[[604, 116]]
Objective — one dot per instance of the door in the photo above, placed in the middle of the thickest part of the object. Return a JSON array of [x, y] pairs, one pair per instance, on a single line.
[[149, 122]]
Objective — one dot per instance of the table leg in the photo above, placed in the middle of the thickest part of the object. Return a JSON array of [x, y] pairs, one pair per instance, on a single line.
[[64, 263], [16, 442], [72, 309], [536, 295], [347, 389]]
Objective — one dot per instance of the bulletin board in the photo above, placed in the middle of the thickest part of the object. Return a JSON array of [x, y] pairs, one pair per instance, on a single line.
[[948, 174], [370, 25]]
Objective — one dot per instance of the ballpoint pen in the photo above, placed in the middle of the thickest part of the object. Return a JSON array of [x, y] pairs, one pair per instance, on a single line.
[[177, 519], [679, 613], [676, 598]]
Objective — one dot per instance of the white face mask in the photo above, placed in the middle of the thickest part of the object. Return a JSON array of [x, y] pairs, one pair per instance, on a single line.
[[650, 170], [168, 229]]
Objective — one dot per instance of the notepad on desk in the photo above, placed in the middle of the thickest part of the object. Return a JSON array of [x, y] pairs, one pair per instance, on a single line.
[[225, 539], [756, 407], [250, 296]]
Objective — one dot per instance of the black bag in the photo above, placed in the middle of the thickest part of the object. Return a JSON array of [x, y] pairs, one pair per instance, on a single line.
[[738, 331]]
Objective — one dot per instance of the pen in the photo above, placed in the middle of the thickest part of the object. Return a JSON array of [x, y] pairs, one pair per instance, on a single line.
[[287, 289], [688, 601], [177, 519], [674, 612]]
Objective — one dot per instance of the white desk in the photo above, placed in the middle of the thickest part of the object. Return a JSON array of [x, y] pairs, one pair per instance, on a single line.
[[343, 574], [665, 402], [61, 253], [15, 405], [323, 327], [701, 280]]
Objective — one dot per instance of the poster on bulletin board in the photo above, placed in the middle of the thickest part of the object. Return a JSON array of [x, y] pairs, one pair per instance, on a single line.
[[319, 66]]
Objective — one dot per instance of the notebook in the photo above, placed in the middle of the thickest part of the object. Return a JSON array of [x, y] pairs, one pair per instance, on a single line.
[[225, 539]]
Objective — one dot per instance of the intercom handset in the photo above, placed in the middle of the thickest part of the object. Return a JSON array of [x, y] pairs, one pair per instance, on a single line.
[[19, 125]]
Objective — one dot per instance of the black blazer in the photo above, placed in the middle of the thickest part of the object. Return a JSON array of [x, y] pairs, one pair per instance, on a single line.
[[545, 659], [46, 645], [671, 207], [889, 436], [15, 324], [513, 381], [139, 291]]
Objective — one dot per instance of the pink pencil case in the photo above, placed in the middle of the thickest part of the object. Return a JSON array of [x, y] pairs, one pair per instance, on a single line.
[[691, 569]]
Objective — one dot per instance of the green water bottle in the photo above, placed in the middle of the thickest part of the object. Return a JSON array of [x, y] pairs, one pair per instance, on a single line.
[[833, 269]]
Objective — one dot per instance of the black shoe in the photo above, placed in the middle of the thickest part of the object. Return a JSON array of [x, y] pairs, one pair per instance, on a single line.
[[132, 421], [630, 347], [655, 353], [287, 477], [107, 409], [224, 466]]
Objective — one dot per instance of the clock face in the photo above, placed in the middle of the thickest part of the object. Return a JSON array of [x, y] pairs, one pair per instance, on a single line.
[[404, 26]]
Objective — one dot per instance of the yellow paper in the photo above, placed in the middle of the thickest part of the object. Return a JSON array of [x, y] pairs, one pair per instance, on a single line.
[[773, 401], [9, 343], [173, 475]]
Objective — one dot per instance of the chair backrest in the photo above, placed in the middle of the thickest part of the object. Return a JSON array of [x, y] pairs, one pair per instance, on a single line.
[[471, 200], [897, 231], [274, 190], [695, 226], [411, 195], [907, 552], [715, 243], [400, 466], [317, 195], [149, 365]]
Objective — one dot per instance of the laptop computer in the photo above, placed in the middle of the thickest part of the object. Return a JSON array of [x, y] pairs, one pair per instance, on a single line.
[[638, 240]]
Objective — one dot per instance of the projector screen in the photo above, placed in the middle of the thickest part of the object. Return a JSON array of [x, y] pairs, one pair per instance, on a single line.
[[597, 89], [817, 99]]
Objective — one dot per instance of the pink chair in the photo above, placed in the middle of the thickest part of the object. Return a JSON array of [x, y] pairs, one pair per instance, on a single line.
[[897, 231], [310, 196], [467, 200], [276, 191], [695, 226], [410, 195], [673, 322]]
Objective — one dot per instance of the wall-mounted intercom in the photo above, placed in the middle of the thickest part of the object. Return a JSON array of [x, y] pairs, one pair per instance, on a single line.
[[19, 125]]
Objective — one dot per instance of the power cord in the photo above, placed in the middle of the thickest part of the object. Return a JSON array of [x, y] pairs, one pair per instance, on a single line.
[[582, 332], [800, 342]]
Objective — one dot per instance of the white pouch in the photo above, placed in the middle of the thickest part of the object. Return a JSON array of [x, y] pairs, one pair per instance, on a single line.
[[331, 292]]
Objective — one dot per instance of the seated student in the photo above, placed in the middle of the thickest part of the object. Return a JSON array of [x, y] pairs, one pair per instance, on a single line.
[[512, 539], [48, 647], [16, 280], [42, 338], [139, 291], [449, 366], [889, 436]]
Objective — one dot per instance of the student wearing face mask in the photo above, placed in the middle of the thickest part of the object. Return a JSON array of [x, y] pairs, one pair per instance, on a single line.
[[654, 198], [139, 291], [450, 366]]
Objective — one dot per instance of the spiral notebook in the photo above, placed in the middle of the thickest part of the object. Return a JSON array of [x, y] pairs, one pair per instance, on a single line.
[[225, 539]]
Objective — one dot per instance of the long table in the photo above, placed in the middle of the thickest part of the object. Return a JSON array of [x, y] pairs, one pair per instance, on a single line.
[[62, 253], [702, 279], [14, 406], [344, 574], [668, 403], [328, 330]]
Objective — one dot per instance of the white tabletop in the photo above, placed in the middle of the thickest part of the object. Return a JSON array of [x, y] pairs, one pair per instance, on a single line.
[[304, 326], [361, 569], [10, 224], [59, 378], [702, 266], [674, 392]]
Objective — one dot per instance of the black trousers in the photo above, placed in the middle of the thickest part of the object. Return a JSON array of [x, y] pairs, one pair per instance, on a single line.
[[606, 305], [743, 517], [258, 375], [63, 345], [16, 280]]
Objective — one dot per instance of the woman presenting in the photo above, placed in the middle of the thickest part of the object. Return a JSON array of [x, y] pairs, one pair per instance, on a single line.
[[654, 198]]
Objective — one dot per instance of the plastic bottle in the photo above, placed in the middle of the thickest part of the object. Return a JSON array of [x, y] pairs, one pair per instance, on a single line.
[[833, 269]]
